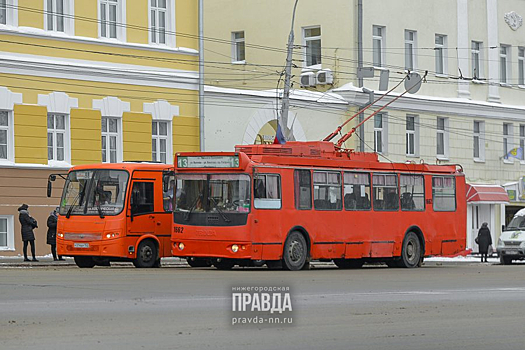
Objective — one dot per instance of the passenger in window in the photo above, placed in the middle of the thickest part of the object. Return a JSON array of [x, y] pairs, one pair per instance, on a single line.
[[28, 224], [350, 201], [407, 202], [260, 188]]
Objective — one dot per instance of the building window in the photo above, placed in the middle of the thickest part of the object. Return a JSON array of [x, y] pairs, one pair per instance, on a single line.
[[479, 142], [521, 66], [3, 12], [411, 139], [441, 54], [160, 140], [522, 141], [378, 43], [380, 131], [4, 135], [7, 241], [507, 139], [504, 62], [55, 15], [56, 137], [442, 137], [108, 18], [158, 13], [9, 12], [238, 49], [312, 46], [110, 139], [410, 49], [476, 53]]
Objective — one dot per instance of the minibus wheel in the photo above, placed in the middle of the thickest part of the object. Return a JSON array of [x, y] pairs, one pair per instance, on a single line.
[[411, 251], [349, 263], [84, 262], [146, 254], [295, 255]]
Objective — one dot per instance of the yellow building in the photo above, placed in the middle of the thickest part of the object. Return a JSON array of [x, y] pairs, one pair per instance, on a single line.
[[88, 82]]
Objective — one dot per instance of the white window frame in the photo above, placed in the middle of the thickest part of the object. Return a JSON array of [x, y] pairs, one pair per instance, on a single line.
[[480, 140], [54, 134], [11, 13], [10, 137], [521, 66], [412, 43], [444, 133], [113, 107], [508, 141], [8, 100], [522, 141], [476, 59], [381, 40], [383, 131], [68, 17], [162, 110], [10, 233], [156, 138], [505, 63], [170, 25], [441, 54], [412, 137], [235, 45], [109, 134], [305, 43], [120, 24]]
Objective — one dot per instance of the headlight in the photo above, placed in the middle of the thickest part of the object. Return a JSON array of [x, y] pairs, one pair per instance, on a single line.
[[500, 243], [181, 246], [522, 245], [235, 248]]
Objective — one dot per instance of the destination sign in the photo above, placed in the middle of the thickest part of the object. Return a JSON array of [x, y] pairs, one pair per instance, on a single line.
[[208, 162]]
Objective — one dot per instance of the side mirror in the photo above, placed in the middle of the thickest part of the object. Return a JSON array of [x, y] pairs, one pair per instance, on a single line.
[[166, 176], [49, 188]]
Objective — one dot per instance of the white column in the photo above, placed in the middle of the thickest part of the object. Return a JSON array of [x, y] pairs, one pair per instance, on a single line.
[[493, 54], [463, 47]]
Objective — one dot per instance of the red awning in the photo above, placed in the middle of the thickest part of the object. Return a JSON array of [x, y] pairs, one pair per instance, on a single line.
[[486, 194]]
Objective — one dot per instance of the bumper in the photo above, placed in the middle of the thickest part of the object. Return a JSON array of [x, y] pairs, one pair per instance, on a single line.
[[92, 248], [212, 249], [515, 253]]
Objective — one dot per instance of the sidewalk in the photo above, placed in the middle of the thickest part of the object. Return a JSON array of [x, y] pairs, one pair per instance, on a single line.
[[47, 261]]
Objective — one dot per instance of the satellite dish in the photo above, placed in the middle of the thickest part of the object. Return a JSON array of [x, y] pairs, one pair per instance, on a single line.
[[413, 82]]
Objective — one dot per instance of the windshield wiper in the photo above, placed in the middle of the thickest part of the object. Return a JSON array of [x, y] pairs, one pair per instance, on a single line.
[[193, 206], [74, 204], [224, 217], [99, 209]]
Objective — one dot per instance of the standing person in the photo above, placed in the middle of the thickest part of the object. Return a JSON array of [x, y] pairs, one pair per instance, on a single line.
[[28, 224], [484, 240], [52, 233]]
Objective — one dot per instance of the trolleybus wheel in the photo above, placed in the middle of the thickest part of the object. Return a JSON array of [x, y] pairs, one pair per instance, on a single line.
[[349, 263], [295, 255], [411, 251], [505, 260], [146, 254], [84, 262], [224, 264], [198, 262]]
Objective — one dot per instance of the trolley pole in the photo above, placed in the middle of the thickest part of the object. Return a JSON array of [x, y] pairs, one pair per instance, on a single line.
[[288, 134]]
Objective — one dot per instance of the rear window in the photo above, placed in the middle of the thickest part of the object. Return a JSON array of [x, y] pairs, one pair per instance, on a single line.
[[444, 193]]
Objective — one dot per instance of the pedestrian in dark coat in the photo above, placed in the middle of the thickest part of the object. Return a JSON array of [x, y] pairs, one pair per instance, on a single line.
[[484, 240], [28, 225], [52, 233]]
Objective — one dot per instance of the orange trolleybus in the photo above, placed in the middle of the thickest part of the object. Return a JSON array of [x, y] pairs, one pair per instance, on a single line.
[[284, 205], [115, 212]]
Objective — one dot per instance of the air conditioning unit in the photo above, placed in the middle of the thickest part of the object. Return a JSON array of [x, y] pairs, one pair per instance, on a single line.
[[325, 76], [308, 79]]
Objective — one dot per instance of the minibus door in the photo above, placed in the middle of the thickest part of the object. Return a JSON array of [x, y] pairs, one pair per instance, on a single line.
[[141, 211]]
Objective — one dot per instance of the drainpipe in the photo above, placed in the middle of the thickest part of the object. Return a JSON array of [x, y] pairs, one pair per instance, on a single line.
[[201, 75]]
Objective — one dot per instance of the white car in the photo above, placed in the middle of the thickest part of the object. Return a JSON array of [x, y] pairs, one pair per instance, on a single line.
[[511, 244]]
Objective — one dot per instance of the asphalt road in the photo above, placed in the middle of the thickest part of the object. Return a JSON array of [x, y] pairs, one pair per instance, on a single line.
[[456, 306]]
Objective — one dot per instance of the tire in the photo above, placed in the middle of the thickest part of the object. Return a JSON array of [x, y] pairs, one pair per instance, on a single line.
[[198, 262], [295, 254], [224, 264], [504, 260], [411, 251], [146, 255], [349, 263], [84, 262]]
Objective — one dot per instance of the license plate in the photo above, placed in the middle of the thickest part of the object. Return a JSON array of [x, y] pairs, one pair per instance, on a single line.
[[511, 252], [81, 245]]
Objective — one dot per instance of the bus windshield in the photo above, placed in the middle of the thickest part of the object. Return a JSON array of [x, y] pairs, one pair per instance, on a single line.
[[222, 193], [94, 192]]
